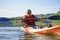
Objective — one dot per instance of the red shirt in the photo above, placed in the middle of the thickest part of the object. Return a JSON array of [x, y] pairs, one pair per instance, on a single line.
[[30, 22]]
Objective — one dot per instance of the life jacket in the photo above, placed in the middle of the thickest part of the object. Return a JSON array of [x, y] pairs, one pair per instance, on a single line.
[[30, 22]]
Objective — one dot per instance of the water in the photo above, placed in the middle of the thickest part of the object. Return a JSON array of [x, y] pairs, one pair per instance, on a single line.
[[14, 33]]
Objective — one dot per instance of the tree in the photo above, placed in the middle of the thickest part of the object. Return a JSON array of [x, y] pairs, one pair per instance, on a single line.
[[58, 13]]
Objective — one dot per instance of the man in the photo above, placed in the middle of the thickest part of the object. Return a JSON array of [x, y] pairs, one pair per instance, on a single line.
[[30, 19]]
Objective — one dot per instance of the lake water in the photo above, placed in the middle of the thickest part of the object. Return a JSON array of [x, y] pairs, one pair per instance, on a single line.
[[14, 33]]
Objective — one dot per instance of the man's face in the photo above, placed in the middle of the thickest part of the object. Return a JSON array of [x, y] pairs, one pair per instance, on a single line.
[[29, 14]]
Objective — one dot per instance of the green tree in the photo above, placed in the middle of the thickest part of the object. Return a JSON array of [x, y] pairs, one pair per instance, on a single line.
[[58, 13]]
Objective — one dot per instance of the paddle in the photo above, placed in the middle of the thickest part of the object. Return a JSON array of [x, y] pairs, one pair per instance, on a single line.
[[54, 18], [7, 19], [40, 19], [4, 19]]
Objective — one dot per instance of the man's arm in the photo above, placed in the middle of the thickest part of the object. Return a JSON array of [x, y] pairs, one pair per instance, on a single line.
[[38, 19]]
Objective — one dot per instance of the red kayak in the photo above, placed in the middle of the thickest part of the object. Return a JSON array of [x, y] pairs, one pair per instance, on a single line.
[[51, 30]]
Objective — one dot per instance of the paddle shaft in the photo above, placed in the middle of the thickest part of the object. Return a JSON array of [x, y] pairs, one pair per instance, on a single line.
[[27, 19], [7, 19]]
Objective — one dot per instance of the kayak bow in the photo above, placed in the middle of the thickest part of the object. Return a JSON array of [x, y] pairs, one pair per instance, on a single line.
[[51, 30]]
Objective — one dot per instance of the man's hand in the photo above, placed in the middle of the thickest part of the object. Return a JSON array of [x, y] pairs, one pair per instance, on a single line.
[[40, 19]]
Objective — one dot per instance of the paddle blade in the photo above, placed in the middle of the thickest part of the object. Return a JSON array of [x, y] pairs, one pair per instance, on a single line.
[[4, 19], [54, 18]]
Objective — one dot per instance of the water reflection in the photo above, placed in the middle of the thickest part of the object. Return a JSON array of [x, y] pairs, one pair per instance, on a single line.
[[53, 37], [28, 36], [41, 37], [14, 33]]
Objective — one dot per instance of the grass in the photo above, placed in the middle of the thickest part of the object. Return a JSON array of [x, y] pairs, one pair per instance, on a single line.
[[54, 23]]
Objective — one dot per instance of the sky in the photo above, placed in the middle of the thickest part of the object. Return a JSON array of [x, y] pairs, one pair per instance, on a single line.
[[15, 8]]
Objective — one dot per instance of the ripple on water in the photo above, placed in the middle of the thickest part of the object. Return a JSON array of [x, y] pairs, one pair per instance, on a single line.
[[14, 33]]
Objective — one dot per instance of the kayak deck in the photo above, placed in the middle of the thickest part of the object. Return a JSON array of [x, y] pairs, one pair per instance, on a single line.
[[51, 30]]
